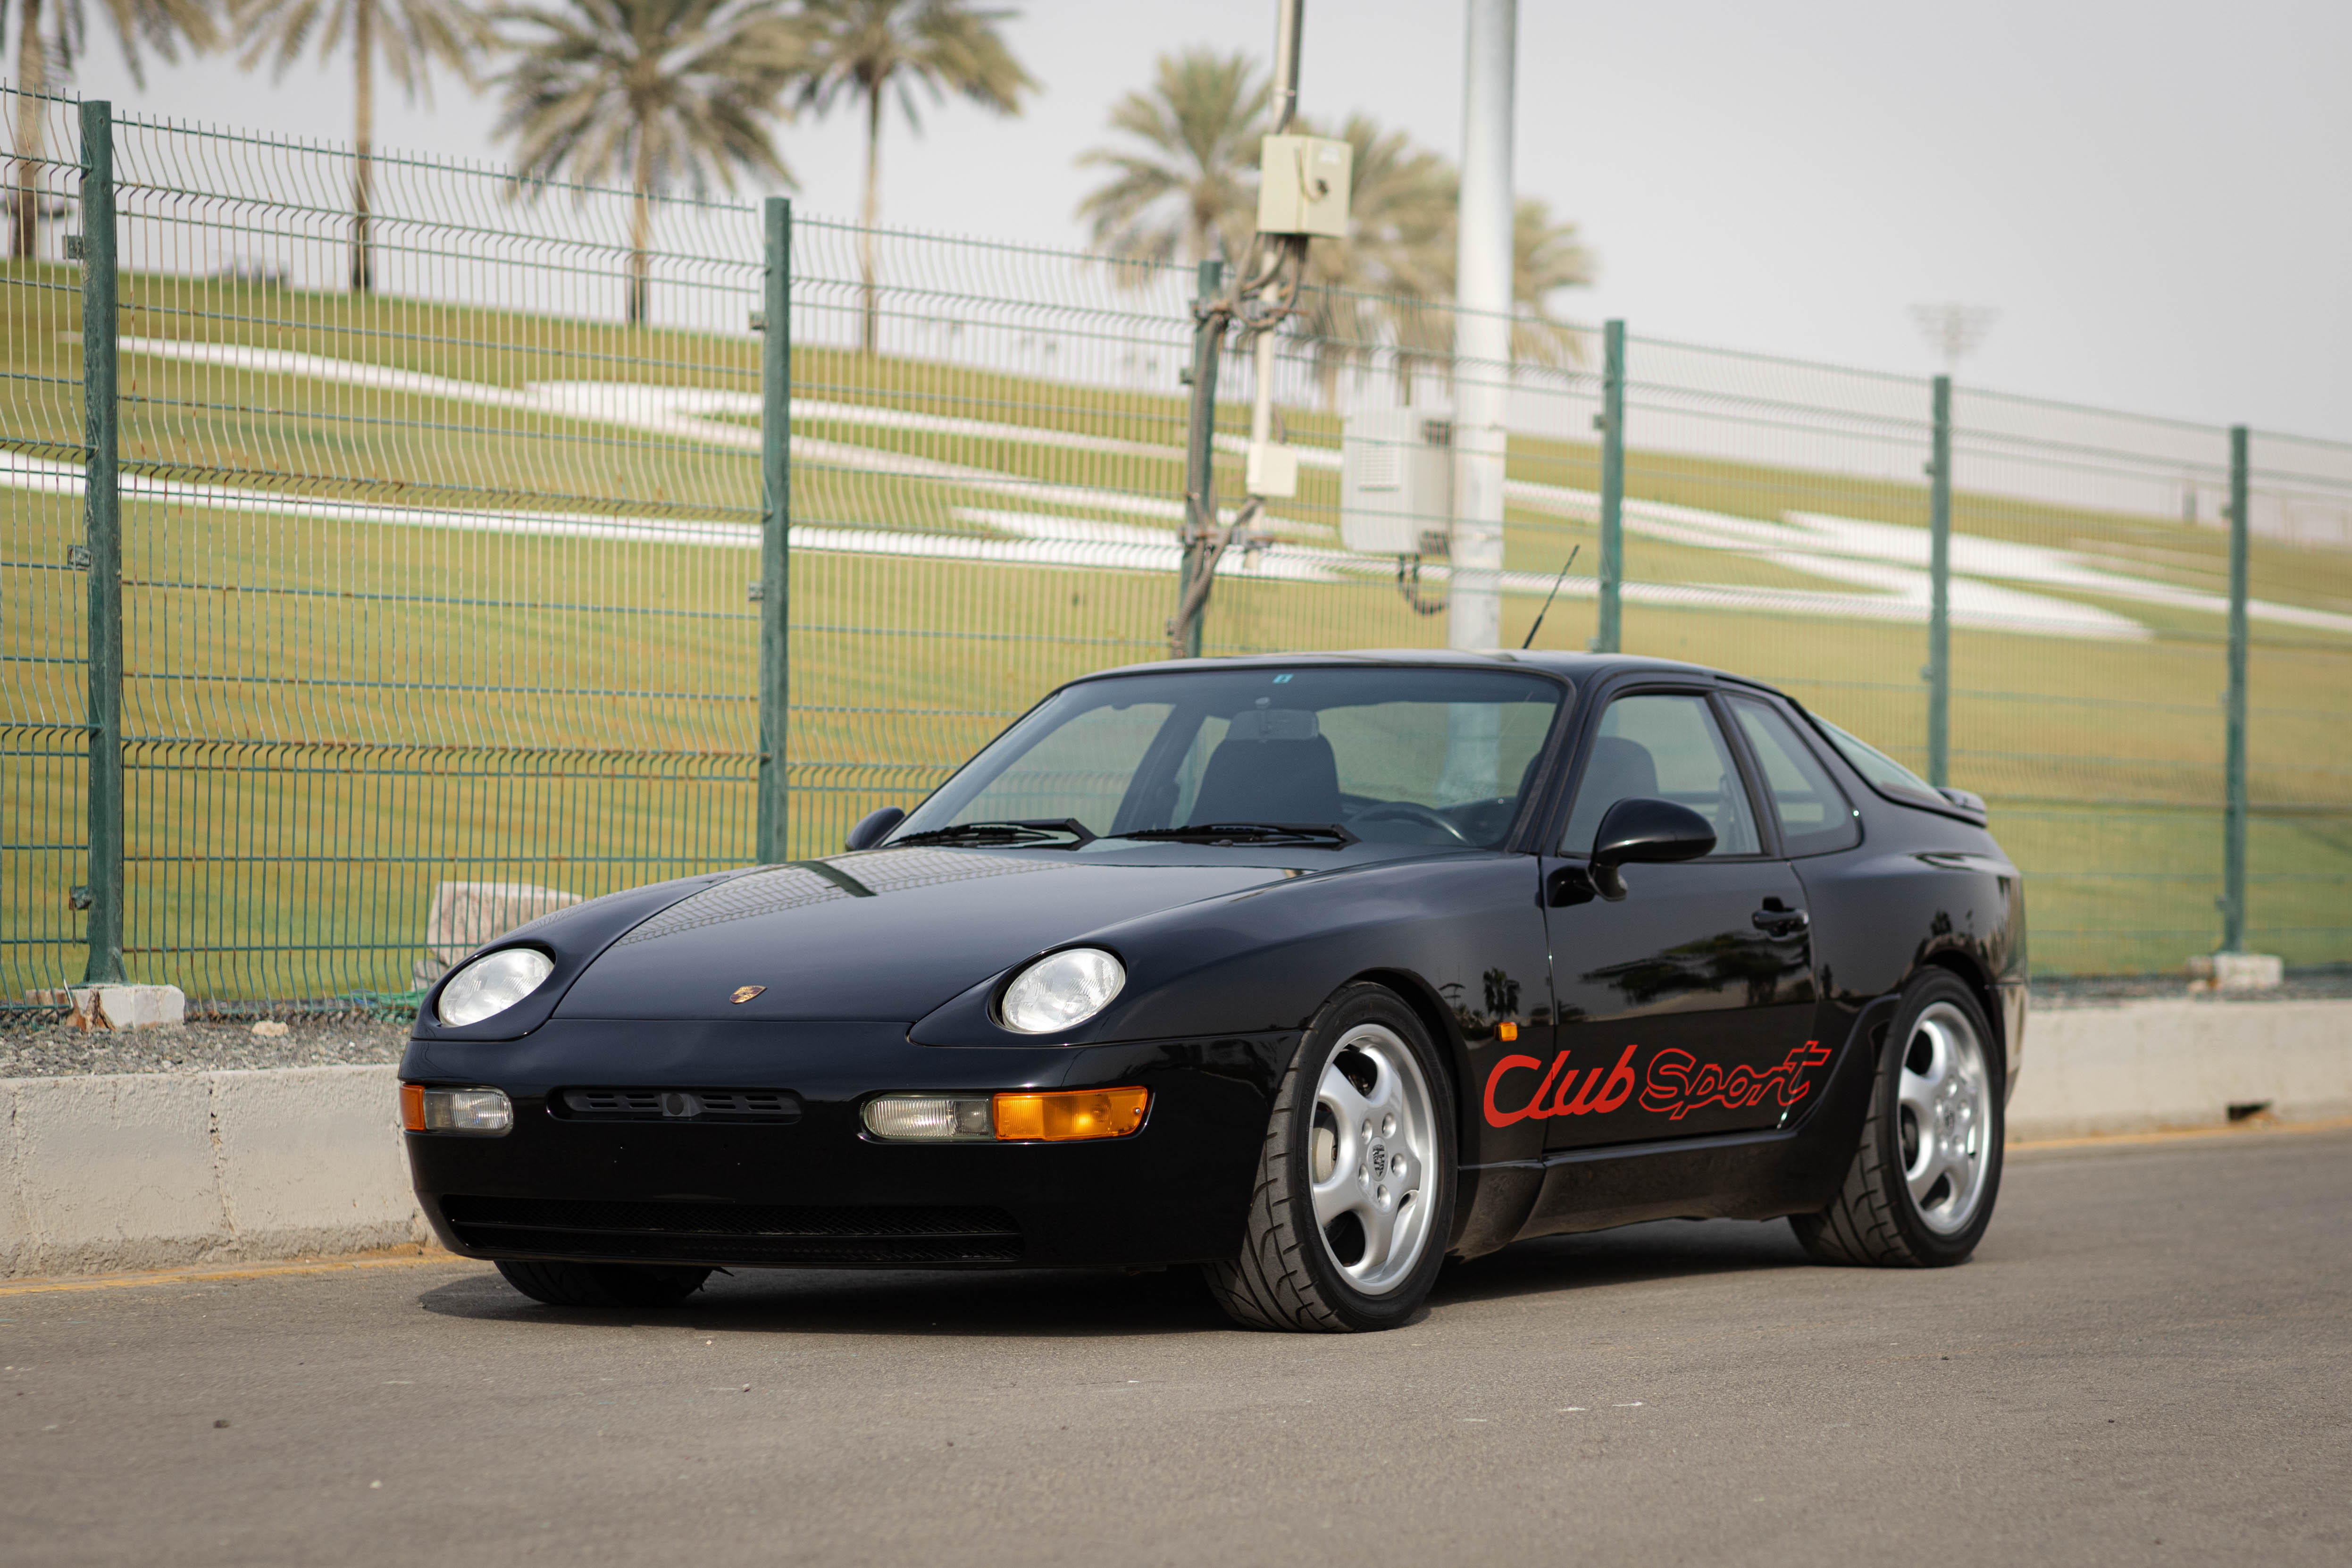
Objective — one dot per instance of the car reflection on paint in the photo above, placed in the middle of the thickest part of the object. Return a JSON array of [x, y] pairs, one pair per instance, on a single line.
[[1309, 971]]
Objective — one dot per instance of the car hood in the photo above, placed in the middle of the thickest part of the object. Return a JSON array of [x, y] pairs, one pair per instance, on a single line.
[[887, 934]]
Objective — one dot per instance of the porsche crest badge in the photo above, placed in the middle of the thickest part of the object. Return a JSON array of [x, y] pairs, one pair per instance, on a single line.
[[745, 993]]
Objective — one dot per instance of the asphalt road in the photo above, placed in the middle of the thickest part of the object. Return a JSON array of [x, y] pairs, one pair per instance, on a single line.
[[2150, 1360]]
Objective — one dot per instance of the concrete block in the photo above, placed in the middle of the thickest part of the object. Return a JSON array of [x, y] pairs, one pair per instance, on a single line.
[[2149, 1065], [464, 915], [127, 1006], [2236, 972], [17, 1238], [311, 1160], [116, 1172]]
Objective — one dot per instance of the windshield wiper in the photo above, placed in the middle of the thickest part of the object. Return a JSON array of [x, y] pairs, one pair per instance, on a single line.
[[1324, 834], [999, 834]]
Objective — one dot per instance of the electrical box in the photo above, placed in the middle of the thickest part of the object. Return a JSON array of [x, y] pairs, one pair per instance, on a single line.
[[1396, 481], [1272, 471], [1303, 186]]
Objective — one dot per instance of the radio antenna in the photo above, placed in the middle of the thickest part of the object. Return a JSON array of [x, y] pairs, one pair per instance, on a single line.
[[1548, 598]]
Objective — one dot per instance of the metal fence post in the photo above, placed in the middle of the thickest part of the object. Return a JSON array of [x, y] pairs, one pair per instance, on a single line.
[[1938, 672], [776, 527], [1608, 632], [2233, 767], [1200, 452], [102, 537]]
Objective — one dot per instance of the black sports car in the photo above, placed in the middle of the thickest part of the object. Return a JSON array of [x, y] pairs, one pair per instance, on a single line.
[[1309, 970]]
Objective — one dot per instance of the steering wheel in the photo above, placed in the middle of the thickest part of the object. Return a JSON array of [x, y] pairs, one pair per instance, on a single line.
[[1408, 811]]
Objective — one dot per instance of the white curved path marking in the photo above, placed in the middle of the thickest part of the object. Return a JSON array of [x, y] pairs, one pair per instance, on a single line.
[[1886, 561]]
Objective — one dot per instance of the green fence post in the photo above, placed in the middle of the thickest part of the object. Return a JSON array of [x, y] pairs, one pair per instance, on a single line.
[[1938, 672], [1609, 626], [1199, 451], [776, 527], [102, 537], [2233, 767]]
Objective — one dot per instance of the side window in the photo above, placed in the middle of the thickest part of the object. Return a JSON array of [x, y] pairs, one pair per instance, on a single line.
[[1815, 817], [1662, 747]]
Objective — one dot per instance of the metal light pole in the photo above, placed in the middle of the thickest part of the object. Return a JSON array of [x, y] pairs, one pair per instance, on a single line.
[[2233, 765], [1482, 325]]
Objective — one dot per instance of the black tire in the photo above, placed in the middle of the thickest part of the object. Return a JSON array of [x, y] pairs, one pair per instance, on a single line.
[[604, 1284], [1876, 1219], [1289, 1274]]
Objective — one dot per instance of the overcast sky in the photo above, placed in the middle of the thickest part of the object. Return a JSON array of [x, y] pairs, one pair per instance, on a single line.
[[2156, 194]]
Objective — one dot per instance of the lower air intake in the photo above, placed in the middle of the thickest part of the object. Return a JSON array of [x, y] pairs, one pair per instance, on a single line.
[[723, 1234]]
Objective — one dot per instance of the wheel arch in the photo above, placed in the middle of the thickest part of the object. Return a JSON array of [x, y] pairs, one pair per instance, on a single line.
[[1964, 966], [1417, 993]]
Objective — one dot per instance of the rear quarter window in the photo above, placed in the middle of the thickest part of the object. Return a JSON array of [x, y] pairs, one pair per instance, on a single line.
[[1815, 816]]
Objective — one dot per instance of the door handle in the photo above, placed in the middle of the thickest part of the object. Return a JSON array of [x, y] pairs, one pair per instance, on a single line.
[[1780, 921]]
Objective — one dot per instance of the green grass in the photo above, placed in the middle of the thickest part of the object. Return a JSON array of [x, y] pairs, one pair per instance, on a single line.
[[329, 716]]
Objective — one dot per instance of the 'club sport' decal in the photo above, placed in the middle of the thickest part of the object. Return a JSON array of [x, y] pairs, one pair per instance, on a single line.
[[1670, 1085]]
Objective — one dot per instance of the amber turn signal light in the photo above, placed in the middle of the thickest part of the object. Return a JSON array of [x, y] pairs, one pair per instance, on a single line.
[[1506, 1031], [1067, 1115], [412, 1106]]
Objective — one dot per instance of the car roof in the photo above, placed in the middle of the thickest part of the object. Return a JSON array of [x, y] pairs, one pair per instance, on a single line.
[[1578, 668]]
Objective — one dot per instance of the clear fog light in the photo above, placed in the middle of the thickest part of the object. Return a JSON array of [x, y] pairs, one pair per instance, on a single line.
[[1062, 989], [483, 1112], [928, 1116]]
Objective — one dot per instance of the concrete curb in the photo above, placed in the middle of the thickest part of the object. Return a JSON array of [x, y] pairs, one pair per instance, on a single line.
[[2151, 1066], [156, 1169], [143, 1171]]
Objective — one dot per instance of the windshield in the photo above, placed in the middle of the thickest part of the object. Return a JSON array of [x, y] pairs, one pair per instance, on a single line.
[[1398, 756]]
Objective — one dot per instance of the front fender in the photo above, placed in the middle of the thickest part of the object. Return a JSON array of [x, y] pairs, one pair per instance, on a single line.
[[1468, 929]]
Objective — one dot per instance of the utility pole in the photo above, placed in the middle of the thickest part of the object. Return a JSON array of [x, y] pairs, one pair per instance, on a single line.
[[1304, 191], [1482, 325]]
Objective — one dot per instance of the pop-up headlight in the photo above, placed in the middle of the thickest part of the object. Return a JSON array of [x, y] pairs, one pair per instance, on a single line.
[[492, 984], [1061, 991]]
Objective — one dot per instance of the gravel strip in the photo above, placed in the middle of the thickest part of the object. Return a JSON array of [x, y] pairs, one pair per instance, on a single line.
[[51, 1051], [2107, 990]]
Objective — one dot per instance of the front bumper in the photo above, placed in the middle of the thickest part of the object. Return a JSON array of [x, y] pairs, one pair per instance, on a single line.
[[818, 1190]]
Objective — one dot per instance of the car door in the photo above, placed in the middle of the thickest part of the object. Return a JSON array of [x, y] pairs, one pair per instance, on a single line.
[[1683, 1007]]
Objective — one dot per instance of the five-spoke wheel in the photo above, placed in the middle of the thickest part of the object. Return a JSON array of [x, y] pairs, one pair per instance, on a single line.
[[1919, 1190], [1371, 1145], [1348, 1217], [1944, 1106]]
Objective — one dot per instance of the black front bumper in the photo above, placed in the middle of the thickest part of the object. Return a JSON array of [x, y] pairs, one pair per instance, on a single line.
[[819, 1192]]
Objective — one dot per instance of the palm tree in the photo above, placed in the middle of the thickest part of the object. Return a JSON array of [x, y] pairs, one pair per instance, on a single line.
[[1390, 281], [668, 90], [1377, 282], [410, 34], [1546, 255], [864, 47], [163, 23], [1189, 191]]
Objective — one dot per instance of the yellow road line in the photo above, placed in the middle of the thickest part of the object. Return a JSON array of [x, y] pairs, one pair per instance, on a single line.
[[404, 1257], [2180, 1134]]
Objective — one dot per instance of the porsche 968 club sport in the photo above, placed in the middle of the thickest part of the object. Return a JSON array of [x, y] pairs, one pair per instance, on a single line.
[[1309, 971]]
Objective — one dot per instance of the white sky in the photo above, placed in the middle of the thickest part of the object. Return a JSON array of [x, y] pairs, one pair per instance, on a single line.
[[2156, 195]]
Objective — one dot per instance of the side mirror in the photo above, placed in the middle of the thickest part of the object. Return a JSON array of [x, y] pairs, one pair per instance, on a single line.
[[877, 825], [1646, 831]]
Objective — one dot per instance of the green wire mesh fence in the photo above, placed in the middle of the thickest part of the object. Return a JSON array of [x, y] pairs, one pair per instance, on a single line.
[[441, 598]]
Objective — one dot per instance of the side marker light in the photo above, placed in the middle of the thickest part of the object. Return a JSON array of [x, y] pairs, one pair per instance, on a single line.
[[1506, 1031]]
